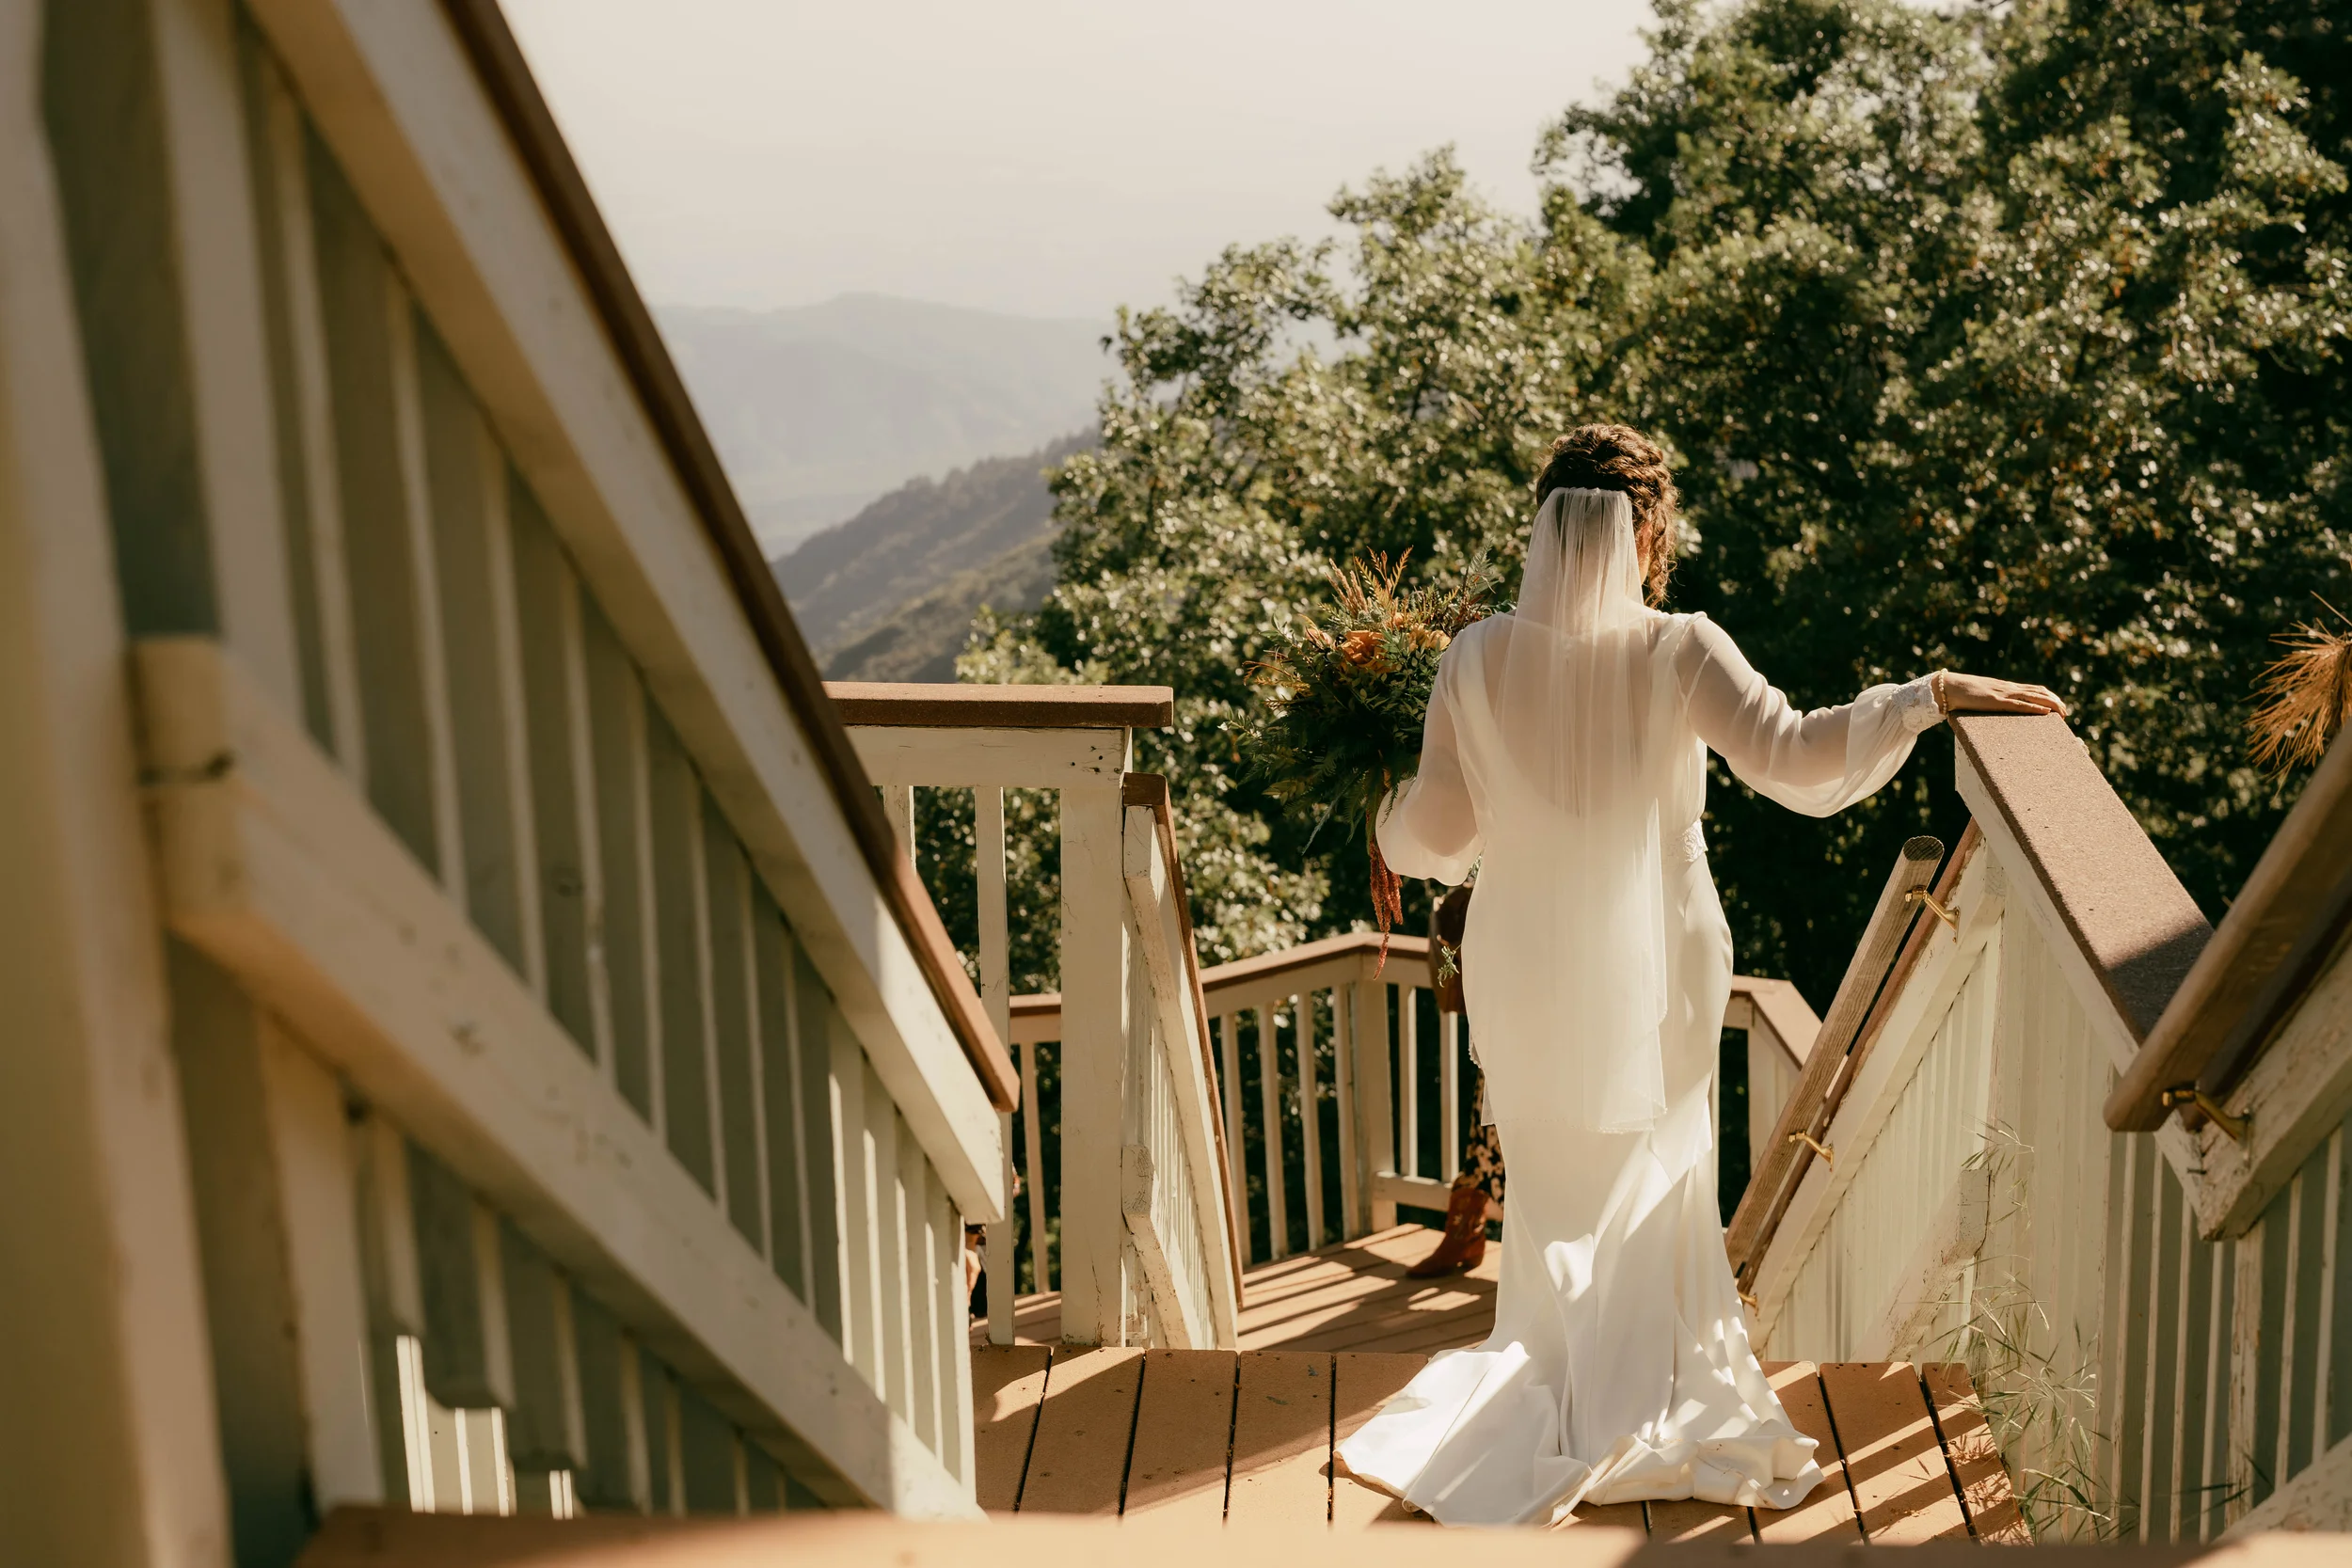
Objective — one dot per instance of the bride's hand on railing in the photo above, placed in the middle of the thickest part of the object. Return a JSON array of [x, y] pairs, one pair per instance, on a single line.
[[1959, 693]]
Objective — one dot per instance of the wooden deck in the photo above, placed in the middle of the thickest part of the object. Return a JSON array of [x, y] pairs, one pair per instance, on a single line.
[[1351, 1297], [1328, 1336]]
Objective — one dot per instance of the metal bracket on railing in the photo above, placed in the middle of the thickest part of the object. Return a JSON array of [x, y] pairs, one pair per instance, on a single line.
[[1922, 896], [1829, 1155], [2189, 1097]]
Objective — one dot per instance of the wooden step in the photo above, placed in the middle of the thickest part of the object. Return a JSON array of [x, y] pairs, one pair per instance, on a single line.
[[1246, 1438], [356, 1537]]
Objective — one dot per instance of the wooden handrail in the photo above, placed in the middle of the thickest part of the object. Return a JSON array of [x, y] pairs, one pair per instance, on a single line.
[[506, 79], [1804, 1119], [2283, 926], [940, 705], [2128, 915]]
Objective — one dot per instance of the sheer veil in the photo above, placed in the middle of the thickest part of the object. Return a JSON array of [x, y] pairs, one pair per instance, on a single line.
[[1586, 733]]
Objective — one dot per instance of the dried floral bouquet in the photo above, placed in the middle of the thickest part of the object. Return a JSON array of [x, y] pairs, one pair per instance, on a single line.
[[1343, 693]]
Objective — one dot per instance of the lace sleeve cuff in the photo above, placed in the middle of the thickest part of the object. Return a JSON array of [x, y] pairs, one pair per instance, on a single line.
[[1914, 704]]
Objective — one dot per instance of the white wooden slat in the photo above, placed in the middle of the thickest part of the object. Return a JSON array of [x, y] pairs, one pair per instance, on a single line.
[[1344, 1087], [2330, 1262], [1408, 1082], [890, 1250], [920, 1289], [1033, 1150], [1375, 1126], [988, 859], [187, 77], [856, 1223], [1303, 1024], [955, 1450], [311, 1136], [1236, 1147], [705, 960], [315, 419], [1448, 1096], [431, 673], [898, 806], [506, 645], [1270, 1133]]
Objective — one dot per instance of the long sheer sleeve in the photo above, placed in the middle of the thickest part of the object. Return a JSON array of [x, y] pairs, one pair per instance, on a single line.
[[1428, 829], [1815, 762]]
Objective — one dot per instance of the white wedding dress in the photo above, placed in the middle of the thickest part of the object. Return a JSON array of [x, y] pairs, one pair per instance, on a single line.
[[1564, 757]]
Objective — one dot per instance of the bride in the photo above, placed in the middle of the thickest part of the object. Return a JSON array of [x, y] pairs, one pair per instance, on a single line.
[[1565, 745]]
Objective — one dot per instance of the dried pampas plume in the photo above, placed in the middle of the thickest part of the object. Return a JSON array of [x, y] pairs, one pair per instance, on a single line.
[[2306, 696]]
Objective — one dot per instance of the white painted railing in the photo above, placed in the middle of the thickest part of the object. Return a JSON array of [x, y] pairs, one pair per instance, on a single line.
[[2157, 1318], [1145, 1252], [1345, 1087], [494, 812]]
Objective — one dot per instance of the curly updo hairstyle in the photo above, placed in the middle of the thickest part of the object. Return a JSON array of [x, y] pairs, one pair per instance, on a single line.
[[1618, 457]]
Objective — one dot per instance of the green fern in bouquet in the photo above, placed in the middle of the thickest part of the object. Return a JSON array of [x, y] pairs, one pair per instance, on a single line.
[[1343, 693]]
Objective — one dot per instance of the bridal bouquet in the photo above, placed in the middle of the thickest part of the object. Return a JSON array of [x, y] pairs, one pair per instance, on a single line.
[[1343, 694]]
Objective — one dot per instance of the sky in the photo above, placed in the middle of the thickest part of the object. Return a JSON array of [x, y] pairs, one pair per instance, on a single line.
[[1035, 157]]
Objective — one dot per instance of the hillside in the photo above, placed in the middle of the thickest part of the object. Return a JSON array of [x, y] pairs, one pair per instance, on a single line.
[[816, 411], [888, 595]]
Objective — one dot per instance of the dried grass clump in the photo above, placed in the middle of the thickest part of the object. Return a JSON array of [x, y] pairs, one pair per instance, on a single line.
[[2306, 696]]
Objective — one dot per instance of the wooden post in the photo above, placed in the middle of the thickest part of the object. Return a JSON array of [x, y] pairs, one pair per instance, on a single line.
[[1094, 1013]]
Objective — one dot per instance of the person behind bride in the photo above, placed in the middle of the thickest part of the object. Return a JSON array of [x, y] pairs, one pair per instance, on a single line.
[[1563, 756]]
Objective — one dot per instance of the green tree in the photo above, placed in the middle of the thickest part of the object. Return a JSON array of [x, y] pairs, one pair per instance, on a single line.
[[2008, 339]]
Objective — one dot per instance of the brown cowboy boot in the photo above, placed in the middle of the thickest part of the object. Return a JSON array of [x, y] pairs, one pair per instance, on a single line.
[[1465, 1241]]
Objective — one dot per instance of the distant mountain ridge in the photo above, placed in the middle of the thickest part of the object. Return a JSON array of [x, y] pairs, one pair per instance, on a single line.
[[890, 594], [818, 409]]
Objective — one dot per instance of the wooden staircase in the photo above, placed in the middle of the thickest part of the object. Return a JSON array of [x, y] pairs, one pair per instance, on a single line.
[[1247, 1437]]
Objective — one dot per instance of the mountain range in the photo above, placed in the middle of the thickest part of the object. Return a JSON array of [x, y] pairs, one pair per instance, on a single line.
[[817, 410], [889, 594]]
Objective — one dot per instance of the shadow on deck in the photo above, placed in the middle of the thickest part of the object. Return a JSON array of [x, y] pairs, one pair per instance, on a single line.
[[1350, 1297]]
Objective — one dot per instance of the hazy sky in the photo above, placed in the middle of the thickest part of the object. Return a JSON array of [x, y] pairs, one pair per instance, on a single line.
[[1042, 157]]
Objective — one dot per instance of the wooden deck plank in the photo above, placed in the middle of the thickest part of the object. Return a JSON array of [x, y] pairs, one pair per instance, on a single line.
[[1079, 1458], [1282, 1439], [1008, 1386], [1901, 1482], [1968, 1446], [1361, 1384], [1183, 1435], [1612, 1515], [1689, 1520], [1829, 1513]]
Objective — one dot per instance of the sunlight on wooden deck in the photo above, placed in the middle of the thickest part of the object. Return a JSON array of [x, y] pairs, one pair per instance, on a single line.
[[1351, 1297], [1328, 1336]]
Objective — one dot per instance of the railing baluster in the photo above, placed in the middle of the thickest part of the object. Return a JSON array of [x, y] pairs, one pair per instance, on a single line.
[[1033, 1148], [1408, 1083], [988, 864], [1343, 1072], [1270, 1110], [1229, 1033], [1448, 1096], [1309, 1113]]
